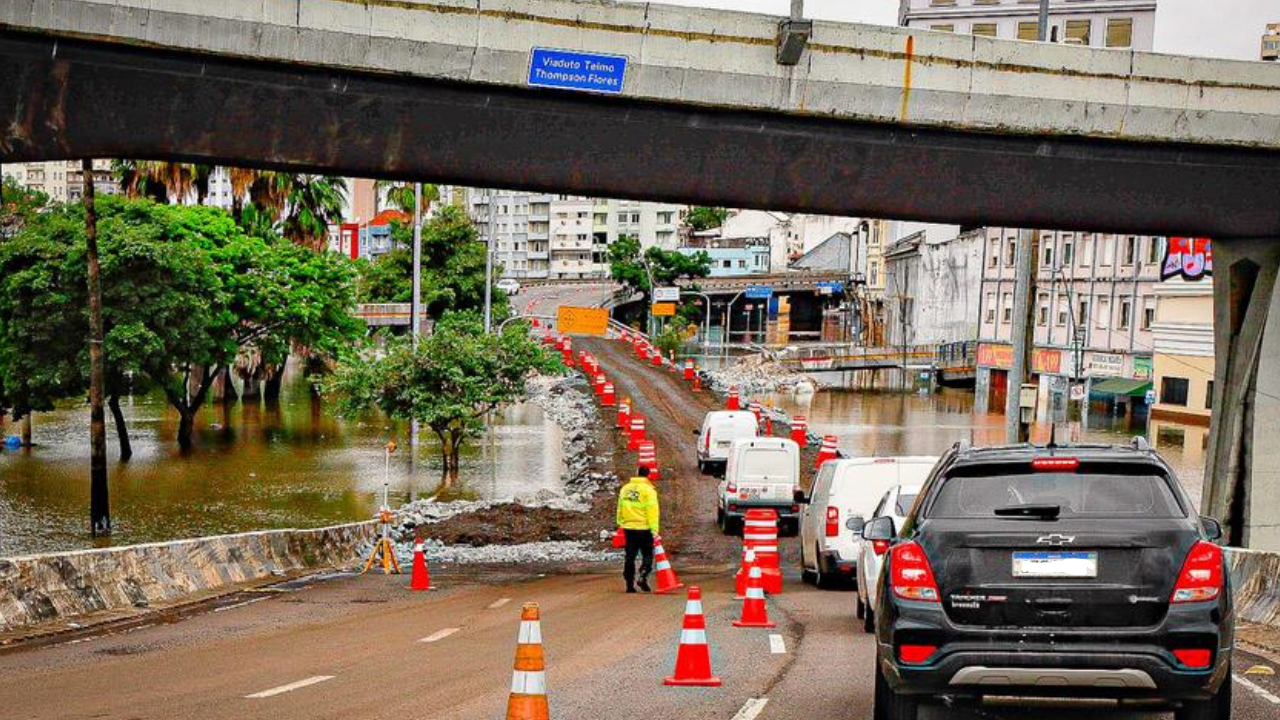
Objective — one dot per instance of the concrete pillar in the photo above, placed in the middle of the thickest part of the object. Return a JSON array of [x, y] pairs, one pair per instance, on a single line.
[[1242, 476]]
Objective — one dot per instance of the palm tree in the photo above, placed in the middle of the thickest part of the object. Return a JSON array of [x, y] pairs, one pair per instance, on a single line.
[[312, 204], [163, 182], [400, 194]]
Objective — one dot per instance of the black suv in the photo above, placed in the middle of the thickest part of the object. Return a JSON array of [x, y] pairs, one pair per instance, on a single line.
[[1070, 571]]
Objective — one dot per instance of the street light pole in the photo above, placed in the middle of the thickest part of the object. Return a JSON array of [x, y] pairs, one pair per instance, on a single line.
[[1022, 332], [488, 268], [415, 305]]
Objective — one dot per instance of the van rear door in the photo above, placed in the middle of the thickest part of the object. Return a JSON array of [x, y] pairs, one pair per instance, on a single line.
[[767, 473]]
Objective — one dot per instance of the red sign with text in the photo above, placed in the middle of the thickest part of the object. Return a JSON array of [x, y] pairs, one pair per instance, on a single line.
[[1192, 258]]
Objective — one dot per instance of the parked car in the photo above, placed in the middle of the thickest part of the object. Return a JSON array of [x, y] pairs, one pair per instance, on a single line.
[[1075, 571], [760, 473], [508, 286], [719, 429], [842, 498], [895, 504]]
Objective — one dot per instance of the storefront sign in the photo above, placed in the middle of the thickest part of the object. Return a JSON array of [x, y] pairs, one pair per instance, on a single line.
[[1142, 368], [1106, 364], [1192, 258], [1046, 361], [996, 356]]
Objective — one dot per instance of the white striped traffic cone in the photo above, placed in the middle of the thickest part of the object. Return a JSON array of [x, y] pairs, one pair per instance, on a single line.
[[528, 700]]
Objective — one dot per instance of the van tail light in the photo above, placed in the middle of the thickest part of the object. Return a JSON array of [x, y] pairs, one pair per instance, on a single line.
[[833, 521], [731, 487], [1194, 658], [706, 442], [1201, 576], [912, 577], [880, 546], [916, 654]]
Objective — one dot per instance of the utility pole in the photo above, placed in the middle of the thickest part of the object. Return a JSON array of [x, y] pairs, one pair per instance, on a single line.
[[488, 268], [415, 304], [1023, 331], [99, 499]]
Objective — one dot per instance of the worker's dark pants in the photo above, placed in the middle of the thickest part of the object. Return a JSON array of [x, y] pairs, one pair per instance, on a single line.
[[638, 541]]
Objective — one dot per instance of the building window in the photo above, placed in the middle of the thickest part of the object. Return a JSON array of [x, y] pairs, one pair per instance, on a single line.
[[1148, 317], [1173, 391], [1130, 250], [936, 3], [875, 273], [1208, 396], [1066, 253], [1104, 313], [742, 263], [1062, 311], [1082, 313], [1011, 253], [984, 29], [1006, 302], [1047, 260], [728, 264], [1120, 32], [1028, 30], [991, 307], [943, 28], [1078, 31], [1155, 251], [1126, 310], [1106, 250], [1042, 311], [994, 253]]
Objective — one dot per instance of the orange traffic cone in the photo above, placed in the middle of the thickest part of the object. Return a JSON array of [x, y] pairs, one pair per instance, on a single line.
[[754, 612], [421, 579], [827, 452], [528, 700], [693, 659], [744, 571], [666, 576]]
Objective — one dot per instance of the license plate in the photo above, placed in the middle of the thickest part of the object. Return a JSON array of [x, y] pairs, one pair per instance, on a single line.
[[751, 494], [722, 443], [1055, 564]]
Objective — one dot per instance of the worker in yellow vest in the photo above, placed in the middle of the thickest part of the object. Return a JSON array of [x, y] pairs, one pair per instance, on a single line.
[[638, 517]]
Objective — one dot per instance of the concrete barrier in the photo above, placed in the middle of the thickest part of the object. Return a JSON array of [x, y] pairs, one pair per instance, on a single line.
[[1255, 576], [37, 589]]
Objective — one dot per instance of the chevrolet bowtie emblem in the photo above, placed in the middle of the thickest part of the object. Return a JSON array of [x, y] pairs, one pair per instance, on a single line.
[[1055, 539]]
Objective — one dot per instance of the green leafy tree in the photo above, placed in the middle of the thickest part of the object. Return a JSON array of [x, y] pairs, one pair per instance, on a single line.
[[400, 195], [455, 377], [629, 267], [704, 218], [453, 259], [17, 206], [185, 291]]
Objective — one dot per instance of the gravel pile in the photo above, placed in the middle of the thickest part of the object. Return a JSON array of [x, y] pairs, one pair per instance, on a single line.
[[755, 374], [535, 552]]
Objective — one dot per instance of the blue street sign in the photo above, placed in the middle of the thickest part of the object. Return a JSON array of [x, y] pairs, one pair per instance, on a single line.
[[569, 70], [758, 292], [830, 286]]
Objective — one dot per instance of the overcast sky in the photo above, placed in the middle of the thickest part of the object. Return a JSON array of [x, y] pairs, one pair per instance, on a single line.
[[1214, 28]]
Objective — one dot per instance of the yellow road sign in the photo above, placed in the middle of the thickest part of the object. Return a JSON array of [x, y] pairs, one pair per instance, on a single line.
[[582, 321], [664, 309]]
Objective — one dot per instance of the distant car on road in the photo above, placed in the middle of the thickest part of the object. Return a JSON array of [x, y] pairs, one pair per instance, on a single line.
[[1074, 571], [508, 286], [719, 429], [760, 473], [895, 504], [842, 498]]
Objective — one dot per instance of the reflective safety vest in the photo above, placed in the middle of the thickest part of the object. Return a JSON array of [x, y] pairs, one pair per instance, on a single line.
[[638, 505]]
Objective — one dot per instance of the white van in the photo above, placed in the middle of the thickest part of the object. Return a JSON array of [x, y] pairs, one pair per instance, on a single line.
[[843, 497], [719, 429], [760, 473]]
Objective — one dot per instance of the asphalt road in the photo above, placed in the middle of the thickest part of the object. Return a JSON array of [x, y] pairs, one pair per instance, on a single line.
[[365, 647]]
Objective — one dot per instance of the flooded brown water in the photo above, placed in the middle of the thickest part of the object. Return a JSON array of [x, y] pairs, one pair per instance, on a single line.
[[254, 466]]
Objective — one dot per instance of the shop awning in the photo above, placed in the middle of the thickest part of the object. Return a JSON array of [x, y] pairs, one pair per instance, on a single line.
[[1122, 386]]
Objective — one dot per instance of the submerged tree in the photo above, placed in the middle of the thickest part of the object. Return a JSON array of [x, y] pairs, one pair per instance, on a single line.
[[454, 378]]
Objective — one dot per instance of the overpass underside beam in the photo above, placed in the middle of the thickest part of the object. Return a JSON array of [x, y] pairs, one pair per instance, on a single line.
[[1242, 480]]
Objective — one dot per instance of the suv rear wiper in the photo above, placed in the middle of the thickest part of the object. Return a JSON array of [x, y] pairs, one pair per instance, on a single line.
[[1043, 512]]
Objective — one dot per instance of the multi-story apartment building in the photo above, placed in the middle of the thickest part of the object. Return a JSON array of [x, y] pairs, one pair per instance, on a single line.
[[1121, 24], [541, 236], [1094, 312], [730, 257], [63, 180], [932, 288], [1271, 42]]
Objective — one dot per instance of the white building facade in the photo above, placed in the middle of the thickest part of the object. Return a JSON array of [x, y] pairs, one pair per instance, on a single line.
[[1120, 24]]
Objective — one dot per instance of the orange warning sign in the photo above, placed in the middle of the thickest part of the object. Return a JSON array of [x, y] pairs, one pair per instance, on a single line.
[[664, 309], [582, 320]]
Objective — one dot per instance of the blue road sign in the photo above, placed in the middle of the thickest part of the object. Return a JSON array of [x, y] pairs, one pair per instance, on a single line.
[[758, 292], [569, 70], [830, 286]]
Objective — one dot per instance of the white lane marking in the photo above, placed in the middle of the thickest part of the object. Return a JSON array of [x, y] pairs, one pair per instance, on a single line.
[[439, 635], [1258, 690], [240, 604], [499, 603], [752, 709], [289, 688], [777, 645]]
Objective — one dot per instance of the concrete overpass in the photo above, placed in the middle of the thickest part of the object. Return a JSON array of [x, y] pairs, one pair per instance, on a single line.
[[869, 120]]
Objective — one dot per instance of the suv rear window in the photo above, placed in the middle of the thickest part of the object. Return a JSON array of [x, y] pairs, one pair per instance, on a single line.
[[1076, 495]]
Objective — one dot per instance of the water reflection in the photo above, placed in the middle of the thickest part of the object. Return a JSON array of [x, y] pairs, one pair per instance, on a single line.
[[889, 423], [286, 464]]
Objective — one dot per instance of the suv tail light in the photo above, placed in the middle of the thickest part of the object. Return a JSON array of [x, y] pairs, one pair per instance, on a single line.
[[1194, 658], [833, 521], [1055, 464], [915, 654], [912, 577], [1201, 576]]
